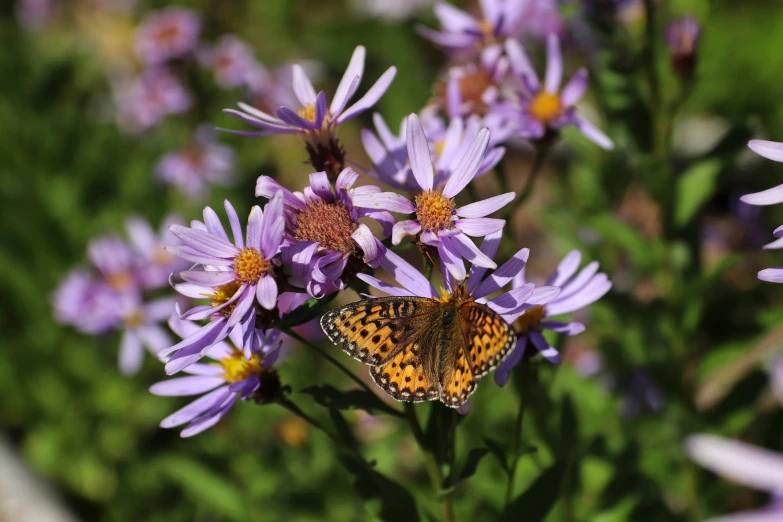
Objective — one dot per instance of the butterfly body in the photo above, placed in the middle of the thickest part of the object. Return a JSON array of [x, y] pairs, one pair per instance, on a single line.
[[420, 348]]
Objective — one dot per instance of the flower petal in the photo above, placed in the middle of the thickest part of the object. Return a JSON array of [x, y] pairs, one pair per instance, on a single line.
[[349, 82], [771, 275], [303, 89], [390, 201], [771, 196], [512, 359], [480, 227], [592, 133], [521, 65], [503, 275], [451, 258], [554, 64], [195, 408], [468, 166], [547, 352], [211, 279], [566, 268], [255, 225], [419, 153], [205, 242], [131, 353], [471, 252], [410, 278], [769, 149], [190, 385], [371, 97], [483, 208], [574, 89], [401, 229], [266, 292]]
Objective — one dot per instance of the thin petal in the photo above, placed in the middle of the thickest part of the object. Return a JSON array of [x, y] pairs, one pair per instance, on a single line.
[[471, 252], [451, 258], [272, 233], [255, 225], [349, 82], [566, 268], [390, 201], [202, 424], [592, 133], [547, 352], [383, 286], [769, 149], [195, 408], [419, 153], [486, 207], [190, 385], [554, 64], [212, 222], [211, 279], [503, 275], [512, 359], [205, 242], [131, 353], [771, 196], [233, 221], [574, 89], [401, 229], [407, 276], [480, 227], [371, 97], [266, 292], [468, 166], [303, 89], [771, 275], [196, 256], [521, 65]]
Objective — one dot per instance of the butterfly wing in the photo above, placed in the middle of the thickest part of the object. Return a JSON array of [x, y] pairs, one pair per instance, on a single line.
[[457, 381], [488, 339], [409, 375]]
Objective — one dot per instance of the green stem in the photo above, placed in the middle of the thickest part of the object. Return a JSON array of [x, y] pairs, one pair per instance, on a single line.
[[430, 463], [428, 266], [500, 176], [527, 191], [525, 374]]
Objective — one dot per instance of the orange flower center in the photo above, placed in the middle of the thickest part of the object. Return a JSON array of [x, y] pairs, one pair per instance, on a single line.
[[329, 224], [472, 87], [119, 281], [531, 319], [307, 112], [434, 211], [546, 107], [250, 265]]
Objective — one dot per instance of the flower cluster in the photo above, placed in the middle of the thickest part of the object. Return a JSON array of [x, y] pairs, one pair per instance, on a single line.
[[113, 293]]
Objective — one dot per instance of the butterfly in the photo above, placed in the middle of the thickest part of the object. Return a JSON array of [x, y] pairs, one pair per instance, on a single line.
[[420, 348]]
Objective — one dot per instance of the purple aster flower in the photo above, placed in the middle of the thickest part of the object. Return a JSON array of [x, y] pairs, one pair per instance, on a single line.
[[270, 89], [576, 292], [232, 376], [389, 153], [232, 61], [233, 275], [85, 303], [749, 465], [544, 109], [462, 31], [438, 223], [473, 89], [146, 100], [117, 264], [682, 35], [156, 265], [323, 239], [166, 34], [774, 151], [141, 328], [313, 119], [202, 164], [479, 286]]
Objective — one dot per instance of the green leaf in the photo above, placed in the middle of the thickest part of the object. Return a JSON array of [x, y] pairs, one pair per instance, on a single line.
[[206, 487], [534, 504], [694, 187], [330, 397], [396, 502]]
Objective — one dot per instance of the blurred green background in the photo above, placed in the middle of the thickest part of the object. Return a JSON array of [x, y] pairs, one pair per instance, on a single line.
[[686, 309]]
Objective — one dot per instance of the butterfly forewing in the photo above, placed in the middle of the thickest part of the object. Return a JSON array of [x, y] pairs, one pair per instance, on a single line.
[[488, 338], [374, 330]]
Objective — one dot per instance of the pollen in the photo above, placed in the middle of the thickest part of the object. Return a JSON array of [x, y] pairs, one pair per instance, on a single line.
[[546, 107], [222, 294], [250, 265], [237, 368], [329, 224], [530, 320], [119, 281], [472, 87], [434, 211], [307, 112]]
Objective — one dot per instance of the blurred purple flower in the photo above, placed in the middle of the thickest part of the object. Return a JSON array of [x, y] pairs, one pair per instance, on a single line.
[[472, 89], [541, 18], [156, 265], [195, 168], [117, 264], [36, 14], [85, 303], [323, 236], [682, 35], [313, 119], [438, 223], [145, 101], [462, 31], [232, 376], [479, 286], [389, 153], [774, 151], [141, 328], [166, 34], [234, 275], [576, 292], [749, 465], [542, 109], [232, 61]]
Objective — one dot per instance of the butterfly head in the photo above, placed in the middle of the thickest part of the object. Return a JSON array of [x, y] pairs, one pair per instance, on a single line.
[[457, 296]]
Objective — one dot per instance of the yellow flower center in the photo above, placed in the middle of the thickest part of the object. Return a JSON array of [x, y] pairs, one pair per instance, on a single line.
[[222, 294], [434, 211], [119, 281], [546, 107], [250, 265], [531, 319], [329, 224], [135, 318], [307, 112], [236, 368]]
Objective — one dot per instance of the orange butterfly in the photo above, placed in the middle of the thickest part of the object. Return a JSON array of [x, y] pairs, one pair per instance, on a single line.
[[420, 348]]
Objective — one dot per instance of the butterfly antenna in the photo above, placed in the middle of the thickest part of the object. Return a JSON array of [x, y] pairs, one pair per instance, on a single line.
[[434, 264]]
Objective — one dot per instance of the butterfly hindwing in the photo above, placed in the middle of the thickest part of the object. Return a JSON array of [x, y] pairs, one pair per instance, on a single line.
[[488, 339], [409, 375], [373, 331]]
